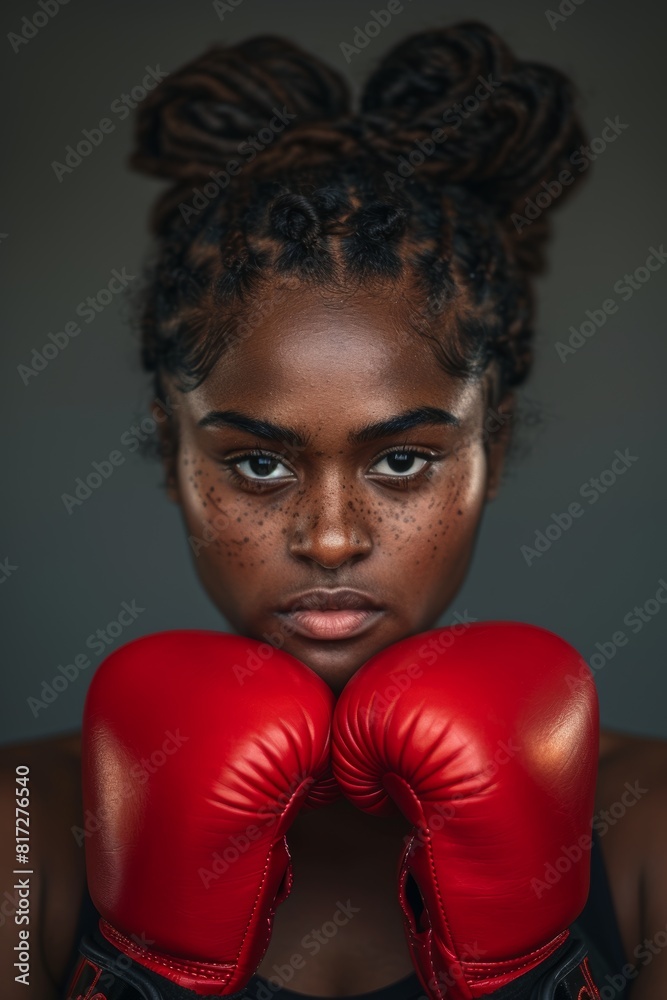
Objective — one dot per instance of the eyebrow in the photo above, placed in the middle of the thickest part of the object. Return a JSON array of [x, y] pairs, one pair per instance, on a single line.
[[421, 416], [260, 428]]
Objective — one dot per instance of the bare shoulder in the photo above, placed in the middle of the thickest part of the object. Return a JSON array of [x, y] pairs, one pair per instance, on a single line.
[[50, 769], [632, 787], [617, 749], [631, 820], [632, 782]]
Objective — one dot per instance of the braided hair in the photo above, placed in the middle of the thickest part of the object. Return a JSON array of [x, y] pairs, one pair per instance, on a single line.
[[277, 178]]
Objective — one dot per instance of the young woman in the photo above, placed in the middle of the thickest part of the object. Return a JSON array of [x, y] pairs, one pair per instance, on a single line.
[[336, 320]]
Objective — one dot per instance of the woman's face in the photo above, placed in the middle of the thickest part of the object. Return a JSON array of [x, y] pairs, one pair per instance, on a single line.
[[329, 450]]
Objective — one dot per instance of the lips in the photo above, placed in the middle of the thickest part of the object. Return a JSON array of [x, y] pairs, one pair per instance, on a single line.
[[331, 614], [322, 599]]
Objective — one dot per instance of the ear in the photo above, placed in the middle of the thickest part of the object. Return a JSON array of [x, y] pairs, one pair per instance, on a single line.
[[498, 424]]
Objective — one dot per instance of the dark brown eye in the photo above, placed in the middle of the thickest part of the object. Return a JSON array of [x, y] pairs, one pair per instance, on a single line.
[[400, 463], [262, 467]]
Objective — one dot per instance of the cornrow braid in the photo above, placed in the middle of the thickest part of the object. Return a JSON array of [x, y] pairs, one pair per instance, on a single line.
[[319, 202]]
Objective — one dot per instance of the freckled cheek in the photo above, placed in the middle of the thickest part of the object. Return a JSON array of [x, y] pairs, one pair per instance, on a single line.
[[227, 530], [201, 492], [430, 540]]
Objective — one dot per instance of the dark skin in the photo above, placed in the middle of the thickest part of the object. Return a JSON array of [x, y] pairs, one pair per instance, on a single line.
[[335, 514], [332, 512]]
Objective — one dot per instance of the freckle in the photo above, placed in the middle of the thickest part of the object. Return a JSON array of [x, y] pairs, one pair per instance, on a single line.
[[459, 512], [246, 539], [238, 518]]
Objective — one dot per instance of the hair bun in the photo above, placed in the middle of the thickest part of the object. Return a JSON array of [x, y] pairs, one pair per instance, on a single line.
[[195, 120], [294, 218], [505, 125], [381, 221]]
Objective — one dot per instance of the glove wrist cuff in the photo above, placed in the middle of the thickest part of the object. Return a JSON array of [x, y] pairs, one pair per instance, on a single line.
[[486, 978], [203, 978], [560, 971], [106, 972], [565, 976]]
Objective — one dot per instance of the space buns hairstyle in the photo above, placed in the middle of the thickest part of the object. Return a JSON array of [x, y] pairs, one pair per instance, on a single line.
[[276, 176]]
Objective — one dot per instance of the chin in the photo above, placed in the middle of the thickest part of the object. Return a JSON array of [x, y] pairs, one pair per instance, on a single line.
[[338, 661], [334, 662]]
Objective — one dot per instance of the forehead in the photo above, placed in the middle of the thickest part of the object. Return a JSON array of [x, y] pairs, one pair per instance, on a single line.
[[306, 349]]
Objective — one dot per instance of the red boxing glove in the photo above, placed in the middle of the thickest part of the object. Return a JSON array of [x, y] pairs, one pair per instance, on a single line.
[[194, 770], [487, 740]]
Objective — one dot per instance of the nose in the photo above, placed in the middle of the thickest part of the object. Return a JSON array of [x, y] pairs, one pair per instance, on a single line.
[[330, 529]]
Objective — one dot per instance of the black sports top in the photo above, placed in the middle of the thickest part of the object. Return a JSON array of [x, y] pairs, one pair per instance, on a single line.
[[597, 925]]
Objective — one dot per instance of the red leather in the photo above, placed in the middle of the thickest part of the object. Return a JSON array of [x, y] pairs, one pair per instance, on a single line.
[[486, 737], [187, 759]]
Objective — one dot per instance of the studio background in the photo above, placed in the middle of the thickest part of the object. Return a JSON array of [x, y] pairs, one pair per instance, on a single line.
[[66, 574]]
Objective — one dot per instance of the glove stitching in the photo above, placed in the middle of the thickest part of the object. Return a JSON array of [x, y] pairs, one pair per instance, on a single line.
[[508, 965], [428, 843], [209, 970], [246, 936]]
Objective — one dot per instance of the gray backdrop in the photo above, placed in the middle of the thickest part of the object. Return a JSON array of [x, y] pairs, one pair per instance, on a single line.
[[66, 575]]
